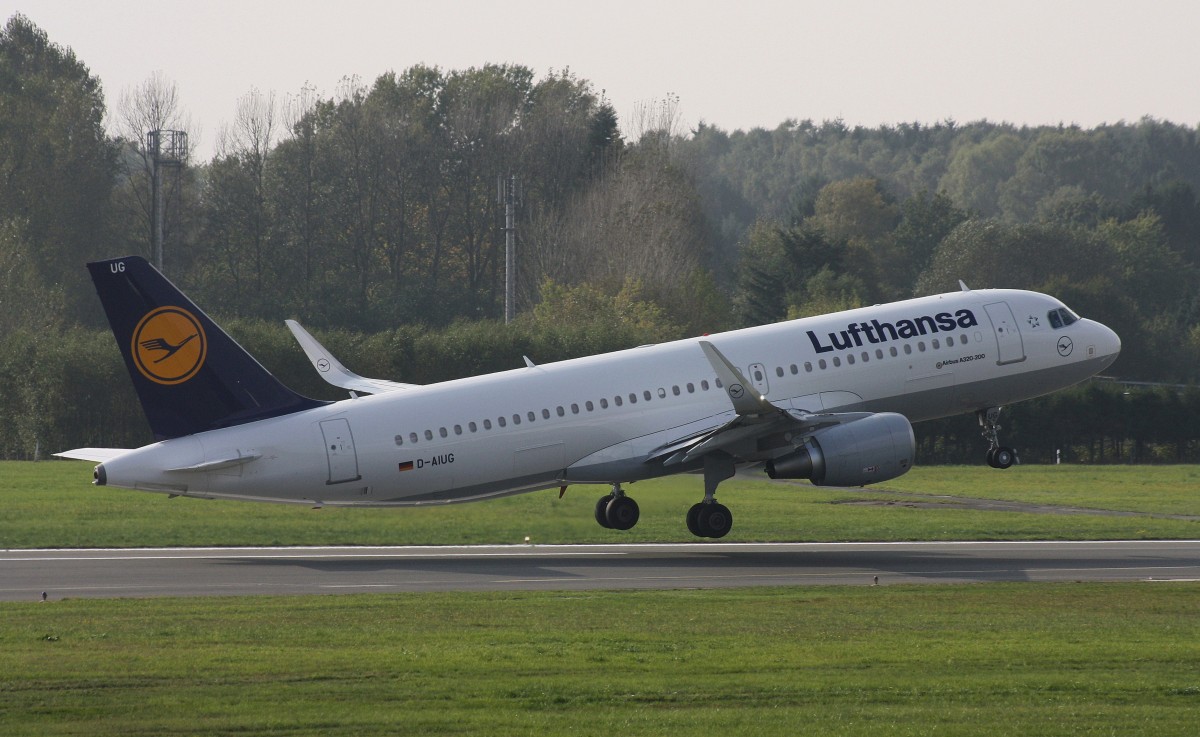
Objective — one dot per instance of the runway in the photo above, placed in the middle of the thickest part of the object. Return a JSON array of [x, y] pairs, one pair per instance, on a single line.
[[25, 574]]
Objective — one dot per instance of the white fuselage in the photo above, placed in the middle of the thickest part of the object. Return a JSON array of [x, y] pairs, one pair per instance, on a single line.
[[595, 419]]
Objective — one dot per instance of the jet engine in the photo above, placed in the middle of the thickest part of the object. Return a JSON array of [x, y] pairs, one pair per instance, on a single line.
[[866, 451]]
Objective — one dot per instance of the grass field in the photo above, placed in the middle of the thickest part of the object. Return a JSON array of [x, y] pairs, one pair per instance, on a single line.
[[1012, 659], [52, 504], [1021, 658]]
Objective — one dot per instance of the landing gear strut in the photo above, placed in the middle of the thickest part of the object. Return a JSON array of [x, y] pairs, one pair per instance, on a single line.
[[616, 511], [710, 518], [998, 456]]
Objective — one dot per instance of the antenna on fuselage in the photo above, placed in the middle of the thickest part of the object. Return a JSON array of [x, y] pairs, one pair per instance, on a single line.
[[963, 285]]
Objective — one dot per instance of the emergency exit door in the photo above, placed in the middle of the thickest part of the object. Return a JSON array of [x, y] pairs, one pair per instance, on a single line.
[[339, 449], [1010, 347]]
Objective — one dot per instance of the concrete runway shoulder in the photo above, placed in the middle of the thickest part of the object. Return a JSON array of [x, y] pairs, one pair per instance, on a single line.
[[25, 574]]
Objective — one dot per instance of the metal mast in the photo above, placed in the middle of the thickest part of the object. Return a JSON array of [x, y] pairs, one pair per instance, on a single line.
[[508, 193], [168, 149]]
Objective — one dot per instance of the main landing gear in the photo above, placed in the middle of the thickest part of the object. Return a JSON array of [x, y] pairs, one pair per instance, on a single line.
[[616, 511], [710, 518], [998, 456], [707, 518]]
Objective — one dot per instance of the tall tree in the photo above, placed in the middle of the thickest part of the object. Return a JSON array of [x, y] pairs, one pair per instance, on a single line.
[[56, 165]]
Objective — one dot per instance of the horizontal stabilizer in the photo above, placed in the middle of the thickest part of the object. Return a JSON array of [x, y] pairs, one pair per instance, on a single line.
[[332, 371], [98, 455]]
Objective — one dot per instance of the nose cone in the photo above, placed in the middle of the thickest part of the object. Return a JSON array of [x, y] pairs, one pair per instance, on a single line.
[[1107, 344]]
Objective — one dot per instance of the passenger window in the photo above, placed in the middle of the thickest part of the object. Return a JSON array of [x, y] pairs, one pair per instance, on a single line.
[[718, 383], [758, 375], [560, 411], [921, 346], [574, 408], [850, 358], [866, 356], [779, 371], [935, 344], [399, 440], [879, 353], [533, 417], [472, 427], [796, 369], [675, 390], [500, 421], [808, 367], [546, 413], [704, 384], [412, 437], [429, 434], [458, 429], [603, 404], [821, 364], [442, 432], [907, 349], [516, 419], [487, 424], [691, 388], [892, 351], [647, 395], [950, 341], [837, 362], [588, 404], [632, 398]]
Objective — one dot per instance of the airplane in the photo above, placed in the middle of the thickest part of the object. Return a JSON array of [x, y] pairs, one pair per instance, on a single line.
[[829, 398]]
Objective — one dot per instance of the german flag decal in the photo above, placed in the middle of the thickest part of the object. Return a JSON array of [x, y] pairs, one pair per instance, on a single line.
[[406, 466], [169, 345]]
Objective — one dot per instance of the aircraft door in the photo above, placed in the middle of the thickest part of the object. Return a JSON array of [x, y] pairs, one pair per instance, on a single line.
[[339, 449], [758, 377], [1010, 347]]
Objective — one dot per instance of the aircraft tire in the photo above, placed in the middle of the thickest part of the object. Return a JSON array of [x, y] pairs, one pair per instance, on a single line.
[[715, 520], [1003, 457], [602, 511], [622, 513], [693, 517]]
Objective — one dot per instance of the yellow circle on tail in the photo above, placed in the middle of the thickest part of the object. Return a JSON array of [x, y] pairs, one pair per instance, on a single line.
[[169, 345]]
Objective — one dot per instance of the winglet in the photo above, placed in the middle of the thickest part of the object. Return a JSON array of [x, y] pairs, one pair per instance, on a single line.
[[332, 370], [746, 399]]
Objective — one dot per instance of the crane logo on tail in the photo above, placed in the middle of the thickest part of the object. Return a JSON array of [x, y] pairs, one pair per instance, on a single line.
[[169, 345]]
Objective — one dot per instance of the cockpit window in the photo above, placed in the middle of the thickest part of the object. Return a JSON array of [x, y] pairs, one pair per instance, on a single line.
[[1061, 317]]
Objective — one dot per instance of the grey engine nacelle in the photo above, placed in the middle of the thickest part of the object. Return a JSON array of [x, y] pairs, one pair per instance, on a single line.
[[866, 451]]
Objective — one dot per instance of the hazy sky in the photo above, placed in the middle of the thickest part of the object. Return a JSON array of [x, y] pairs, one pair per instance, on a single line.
[[753, 63]]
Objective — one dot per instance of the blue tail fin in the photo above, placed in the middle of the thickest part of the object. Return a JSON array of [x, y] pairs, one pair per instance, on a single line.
[[189, 374]]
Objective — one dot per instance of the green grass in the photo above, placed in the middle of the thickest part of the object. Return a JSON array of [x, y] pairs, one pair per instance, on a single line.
[[52, 504], [1028, 659], [1155, 489]]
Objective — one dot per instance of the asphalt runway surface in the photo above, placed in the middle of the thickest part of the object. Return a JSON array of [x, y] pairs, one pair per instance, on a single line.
[[25, 574]]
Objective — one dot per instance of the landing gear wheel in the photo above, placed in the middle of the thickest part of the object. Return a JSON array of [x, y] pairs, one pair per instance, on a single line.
[[998, 456], [693, 517], [622, 513], [1001, 457], [709, 519], [602, 510]]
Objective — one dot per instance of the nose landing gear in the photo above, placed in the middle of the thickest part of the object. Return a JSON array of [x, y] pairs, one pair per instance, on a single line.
[[998, 456]]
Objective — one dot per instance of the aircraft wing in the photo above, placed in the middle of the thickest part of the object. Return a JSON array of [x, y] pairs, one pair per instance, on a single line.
[[332, 371], [760, 429]]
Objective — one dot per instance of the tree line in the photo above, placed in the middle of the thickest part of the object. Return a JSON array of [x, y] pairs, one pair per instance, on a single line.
[[373, 213]]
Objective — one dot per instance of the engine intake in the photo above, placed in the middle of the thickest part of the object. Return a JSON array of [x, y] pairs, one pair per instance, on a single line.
[[866, 451]]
